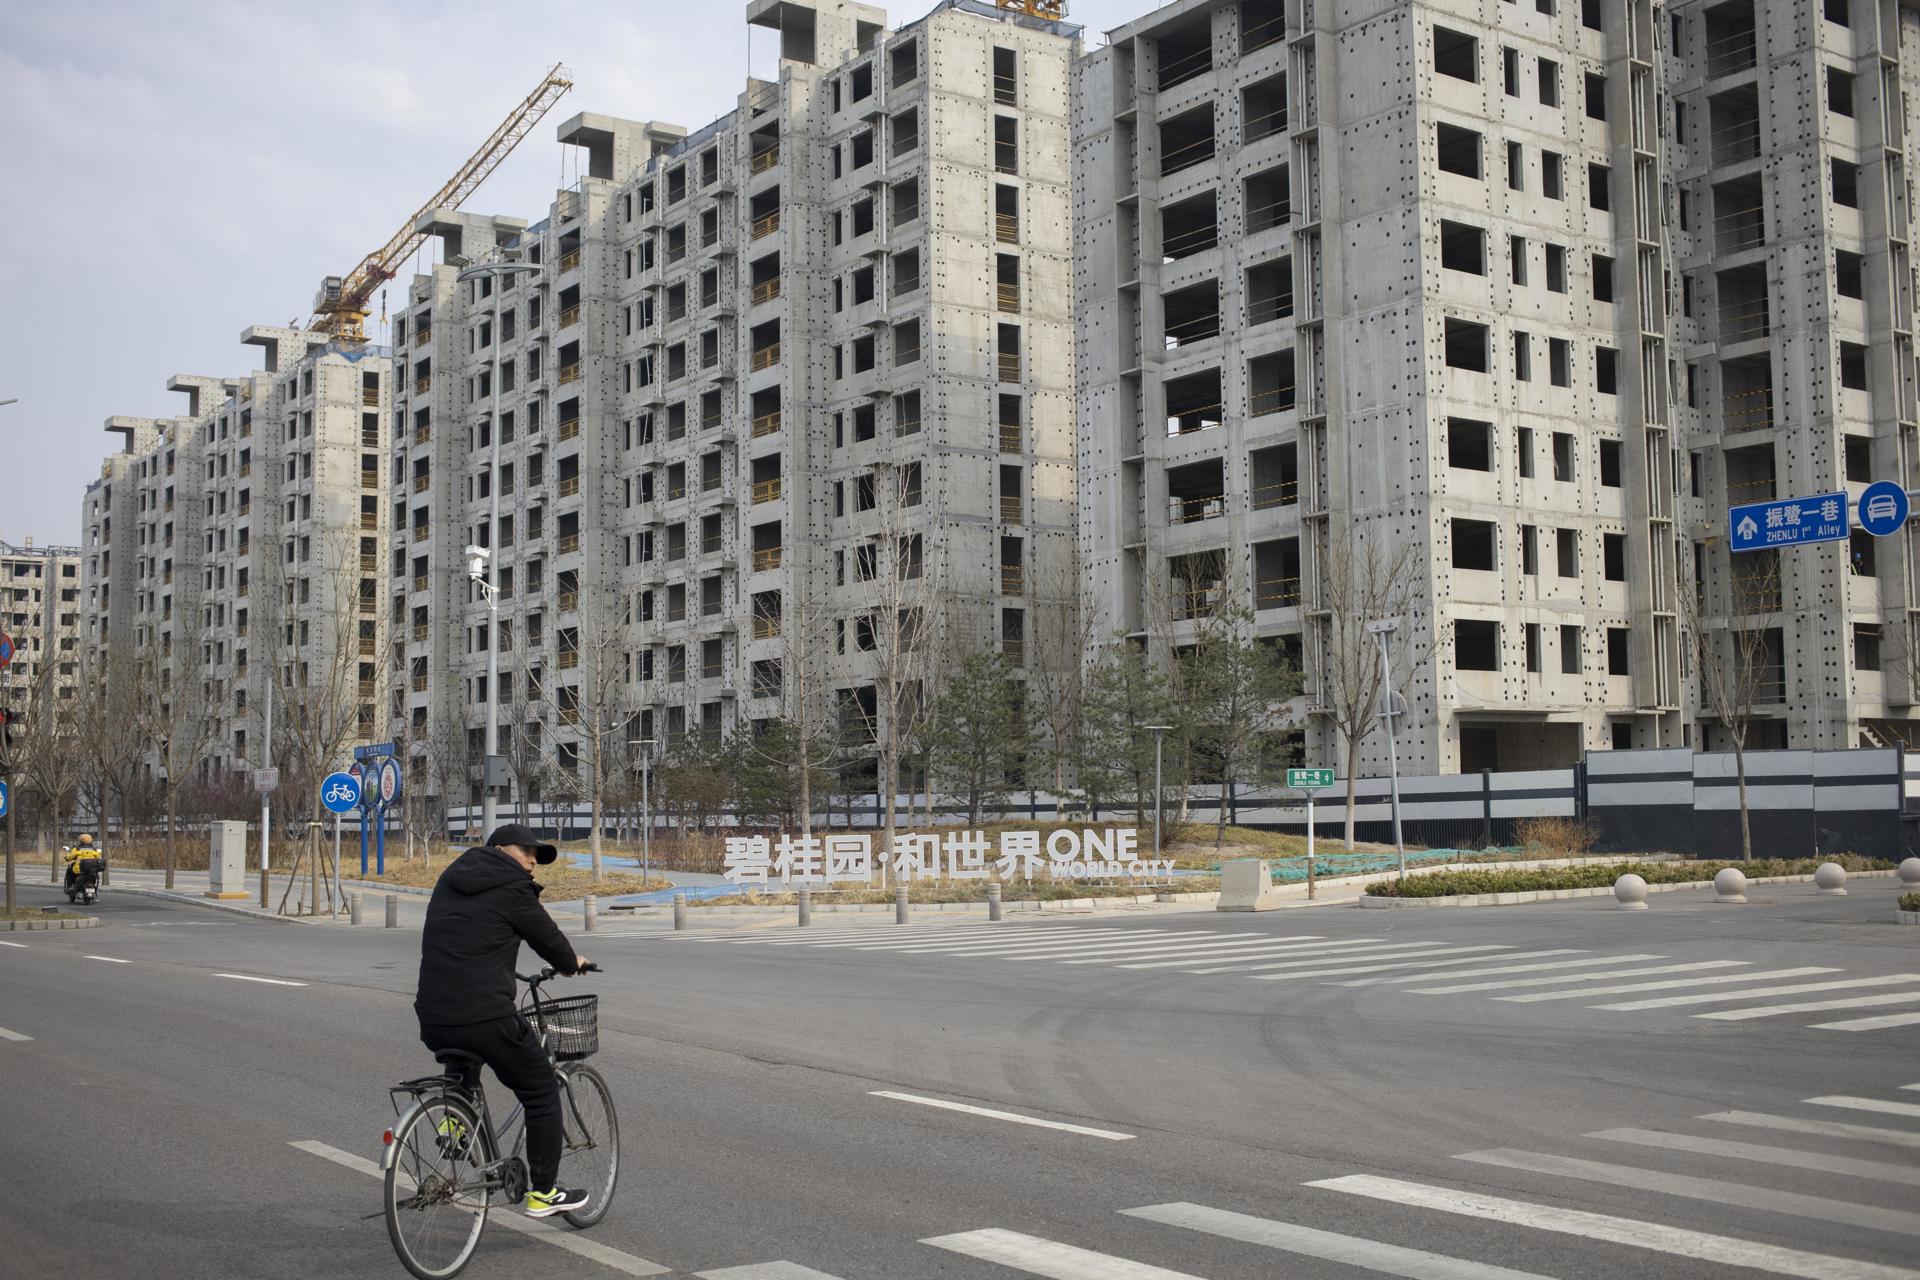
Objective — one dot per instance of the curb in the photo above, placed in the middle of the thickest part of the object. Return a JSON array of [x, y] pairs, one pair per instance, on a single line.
[[229, 908], [1906, 917], [89, 922], [1554, 895]]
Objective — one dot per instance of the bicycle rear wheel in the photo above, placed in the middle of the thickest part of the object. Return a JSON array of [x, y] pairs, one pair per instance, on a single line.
[[590, 1158], [436, 1198]]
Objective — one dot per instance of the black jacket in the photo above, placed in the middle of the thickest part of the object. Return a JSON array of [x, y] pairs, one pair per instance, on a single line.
[[484, 906]]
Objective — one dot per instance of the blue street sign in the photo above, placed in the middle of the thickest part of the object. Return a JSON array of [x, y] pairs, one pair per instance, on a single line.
[[373, 752], [1783, 522], [1883, 508], [340, 792], [6, 798]]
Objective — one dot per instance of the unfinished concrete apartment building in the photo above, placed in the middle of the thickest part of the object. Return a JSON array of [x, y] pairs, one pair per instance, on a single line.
[[1529, 288], [40, 613], [242, 538], [766, 388]]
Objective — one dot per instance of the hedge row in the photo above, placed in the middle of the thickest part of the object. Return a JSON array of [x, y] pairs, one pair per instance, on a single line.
[[1910, 902], [1599, 875]]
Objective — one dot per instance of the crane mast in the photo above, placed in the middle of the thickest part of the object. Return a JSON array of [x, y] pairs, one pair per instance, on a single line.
[[341, 306]]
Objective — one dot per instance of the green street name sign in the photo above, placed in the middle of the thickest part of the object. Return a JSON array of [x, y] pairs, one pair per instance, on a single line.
[[1309, 779]]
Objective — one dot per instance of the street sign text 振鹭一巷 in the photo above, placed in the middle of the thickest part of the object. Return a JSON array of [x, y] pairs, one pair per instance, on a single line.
[[1784, 522], [1309, 779]]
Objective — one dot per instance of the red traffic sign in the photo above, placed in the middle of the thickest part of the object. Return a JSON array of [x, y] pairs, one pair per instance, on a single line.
[[6, 648]]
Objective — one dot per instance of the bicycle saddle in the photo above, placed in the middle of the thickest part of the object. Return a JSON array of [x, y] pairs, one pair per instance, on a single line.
[[458, 1059]]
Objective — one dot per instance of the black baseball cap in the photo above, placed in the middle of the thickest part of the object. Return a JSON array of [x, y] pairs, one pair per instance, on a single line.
[[515, 834]]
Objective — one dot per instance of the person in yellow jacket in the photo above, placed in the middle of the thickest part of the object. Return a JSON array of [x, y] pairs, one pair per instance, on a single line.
[[77, 855]]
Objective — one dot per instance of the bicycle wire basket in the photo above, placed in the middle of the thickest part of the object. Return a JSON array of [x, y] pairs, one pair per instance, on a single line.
[[573, 1025]]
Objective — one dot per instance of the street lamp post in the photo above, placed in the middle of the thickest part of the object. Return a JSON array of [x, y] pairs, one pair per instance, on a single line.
[[480, 565], [1159, 736], [1381, 631], [646, 807]]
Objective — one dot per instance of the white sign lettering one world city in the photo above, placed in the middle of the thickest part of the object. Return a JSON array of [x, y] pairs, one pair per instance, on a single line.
[[849, 856]]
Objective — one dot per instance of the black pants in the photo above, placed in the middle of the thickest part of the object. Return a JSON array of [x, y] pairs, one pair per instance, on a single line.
[[509, 1046]]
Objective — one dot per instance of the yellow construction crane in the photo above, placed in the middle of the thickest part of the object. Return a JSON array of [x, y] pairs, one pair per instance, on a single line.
[[341, 306], [1054, 10]]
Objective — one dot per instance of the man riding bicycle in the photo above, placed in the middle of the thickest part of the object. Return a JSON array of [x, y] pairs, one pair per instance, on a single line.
[[484, 906]]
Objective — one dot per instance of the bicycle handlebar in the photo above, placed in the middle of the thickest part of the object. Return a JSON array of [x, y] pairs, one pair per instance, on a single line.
[[549, 973]]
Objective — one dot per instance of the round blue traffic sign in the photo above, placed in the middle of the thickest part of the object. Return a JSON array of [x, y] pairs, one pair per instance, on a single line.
[[340, 792], [1883, 508]]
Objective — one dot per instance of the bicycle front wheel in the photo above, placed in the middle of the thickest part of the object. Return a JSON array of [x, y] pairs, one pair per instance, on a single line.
[[436, 1195], [590, 1159]]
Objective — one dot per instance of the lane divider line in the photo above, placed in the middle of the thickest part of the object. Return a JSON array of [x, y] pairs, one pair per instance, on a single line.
[[108, 959], [1040, 1257], [21, 945], [13, 1035], [247, 977], [1009, 1116], [511, 1219]]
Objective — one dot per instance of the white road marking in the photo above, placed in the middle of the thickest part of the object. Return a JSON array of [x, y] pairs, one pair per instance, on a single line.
[[21, 945], [1184, 953], [1825, 1128], [1009, 1116], [1792, 989], [1376, 951], [1668, 984], [879, 935], [1047, 1258], [1488, 973], [108, 959], [1699, 1245], [1867, 1104], [1352, 946], [1848, 1166], [12, 1035], [765, 1271], [1401, 964], [1603, 975], [538, 1228], [872, 944], [1000, 946], [1388, 1259], [1810, 1006], [1880, 1023], [247, 977], [1764, 1199]]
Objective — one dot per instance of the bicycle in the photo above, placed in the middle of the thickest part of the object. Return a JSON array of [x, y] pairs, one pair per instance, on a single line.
[[444, 1158]]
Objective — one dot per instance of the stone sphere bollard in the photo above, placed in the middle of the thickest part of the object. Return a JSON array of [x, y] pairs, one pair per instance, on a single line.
[[1830, 880], [1631, 892], [1730, 885], [1910, 873]]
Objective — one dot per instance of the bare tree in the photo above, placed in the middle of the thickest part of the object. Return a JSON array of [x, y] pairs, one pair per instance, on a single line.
[[806, 740], [1739, 662], [172, 718], [107, 739], [50, 755], [901, 627], [1362, 581], [598, 706], [1060, 635]]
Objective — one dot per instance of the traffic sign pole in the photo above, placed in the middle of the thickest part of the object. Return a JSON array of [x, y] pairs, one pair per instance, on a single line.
[[1309, 846]]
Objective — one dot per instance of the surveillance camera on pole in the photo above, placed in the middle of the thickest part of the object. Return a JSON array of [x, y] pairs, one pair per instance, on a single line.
[[477, 562]]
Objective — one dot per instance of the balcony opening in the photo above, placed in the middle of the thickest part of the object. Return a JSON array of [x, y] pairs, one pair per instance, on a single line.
[[1268, 199], [764, 212], [1191, 314], [1193, 402], [1750, 474], [1734, 121], [1746, 393], [767, 478], [1466, 345], [1262, 22], [1006, 77], [1469, 444], [1456, 54], [1196, 584], [1189, 226], [1866, 646], [1006, 144], [763, 277], [1263, 108], [1739, 216], [1459, 150], [1476, 645], [904, 132], [1463, 248], [1270, 385], [1186, 52], [1276, 574], [1186, 140], [1197, 491], [1474, 544], [1853, 366], [1731, 45], [1270, 291], [1006, 213], [1006, 280], [1744, 313], [1275, 476], [861, 218], [1011, 488], [1007, 352]]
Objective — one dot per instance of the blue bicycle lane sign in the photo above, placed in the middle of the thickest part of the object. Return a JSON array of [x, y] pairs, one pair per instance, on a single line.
[[340, 792]]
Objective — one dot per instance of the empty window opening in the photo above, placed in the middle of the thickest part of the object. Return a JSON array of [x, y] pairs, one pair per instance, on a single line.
[[1263, 108], [1610, 464], [1563, 457], [1617, 650], [1847, 274], [1474, 543], [1866, 646], [1190, 226], [1613, 555], [1193, 402], [1456, 54], [1459, 150], [1270, 291], [1859, 454], [1466, 345], [1846, 184], [1270, 386], [1566, 546], [1268, 199], [1853, 366], [1476, 645], [1191, 314], [1839, 92], [1186, 52], [1469, 444], [1463, 248], [1569, 650], [1187, 140]]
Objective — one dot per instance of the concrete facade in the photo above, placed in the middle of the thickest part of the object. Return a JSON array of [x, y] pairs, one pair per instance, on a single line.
[[246, 536], [773, 381], [1437, 276], [40, 610]]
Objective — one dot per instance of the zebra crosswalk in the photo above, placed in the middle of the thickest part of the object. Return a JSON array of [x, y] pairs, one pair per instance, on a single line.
[[1856, 1187], [1720, 990]]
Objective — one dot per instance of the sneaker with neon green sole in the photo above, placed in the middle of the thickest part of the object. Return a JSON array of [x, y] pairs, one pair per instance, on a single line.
[[453, 1136], [544, 1204]]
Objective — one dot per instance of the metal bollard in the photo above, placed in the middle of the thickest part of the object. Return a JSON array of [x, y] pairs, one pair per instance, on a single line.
[[591, 905], [393, 911], [355, 902], [679, 910], [806, 906], [993, 900], [900, 904]]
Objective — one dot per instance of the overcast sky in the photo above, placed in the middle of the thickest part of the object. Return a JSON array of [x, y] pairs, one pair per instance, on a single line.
[[172, 173]]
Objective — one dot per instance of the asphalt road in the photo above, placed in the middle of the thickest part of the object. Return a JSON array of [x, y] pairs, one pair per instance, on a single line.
[[148, 1120]]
